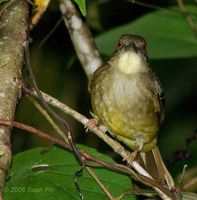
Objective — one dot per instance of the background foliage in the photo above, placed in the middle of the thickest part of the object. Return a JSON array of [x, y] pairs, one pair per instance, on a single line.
[[50, 174], [172, 49]]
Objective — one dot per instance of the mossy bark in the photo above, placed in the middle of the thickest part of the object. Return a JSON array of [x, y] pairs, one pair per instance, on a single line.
[[14, 23]]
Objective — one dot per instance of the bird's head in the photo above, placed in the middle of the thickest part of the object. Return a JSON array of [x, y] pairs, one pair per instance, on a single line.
[[130, 55], [138, 41]]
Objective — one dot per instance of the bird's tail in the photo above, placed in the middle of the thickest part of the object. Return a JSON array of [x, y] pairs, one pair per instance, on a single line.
[[154, 165]]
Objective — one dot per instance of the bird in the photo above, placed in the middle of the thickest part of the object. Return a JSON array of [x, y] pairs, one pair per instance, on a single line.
[[128, 99]]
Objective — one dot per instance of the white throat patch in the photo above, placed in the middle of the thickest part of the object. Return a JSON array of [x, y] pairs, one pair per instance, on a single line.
[[130, 63]]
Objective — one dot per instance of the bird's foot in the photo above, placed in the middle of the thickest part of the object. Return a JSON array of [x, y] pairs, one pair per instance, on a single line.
[[131, 157], [91, 124]]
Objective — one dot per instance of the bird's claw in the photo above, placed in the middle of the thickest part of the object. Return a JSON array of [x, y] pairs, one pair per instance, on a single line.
[[131, 157], [91, 124]]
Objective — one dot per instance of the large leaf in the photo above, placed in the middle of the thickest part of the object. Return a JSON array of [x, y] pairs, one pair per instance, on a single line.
[[48, 174], [167, 33]]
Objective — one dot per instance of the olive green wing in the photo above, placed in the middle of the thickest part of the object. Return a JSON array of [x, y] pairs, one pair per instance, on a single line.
[[97, 76], [160, 98], [155, 89]]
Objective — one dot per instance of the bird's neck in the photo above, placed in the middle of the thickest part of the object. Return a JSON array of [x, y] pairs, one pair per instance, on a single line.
[[129, 62]]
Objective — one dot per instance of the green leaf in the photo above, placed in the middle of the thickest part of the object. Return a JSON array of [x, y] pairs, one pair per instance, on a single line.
[[167, 33], [82, 6], [49, 173]]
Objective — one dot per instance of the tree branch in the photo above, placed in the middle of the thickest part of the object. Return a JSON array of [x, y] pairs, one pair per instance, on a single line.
[[81, 37], [13, 32], [120, 168]]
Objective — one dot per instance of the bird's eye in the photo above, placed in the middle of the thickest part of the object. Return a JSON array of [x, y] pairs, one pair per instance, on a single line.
[[144, 49], [118, 45]]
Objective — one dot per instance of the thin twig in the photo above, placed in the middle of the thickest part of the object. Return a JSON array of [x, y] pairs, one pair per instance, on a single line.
[[188, 16], [67, 132], [95, 177], [156, 7], [34, 131], [137, 191], [46, 38], [116, 146], [189, 184], [47, 116], [182, 177]]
